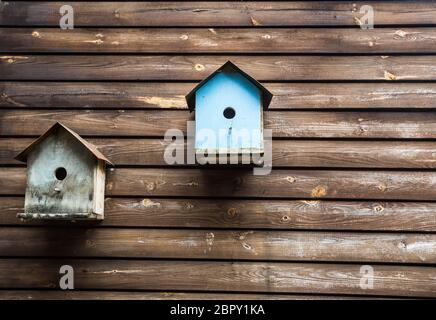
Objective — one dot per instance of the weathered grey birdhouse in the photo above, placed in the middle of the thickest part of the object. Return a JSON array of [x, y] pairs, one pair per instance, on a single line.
[[65, 177], [228, 108]]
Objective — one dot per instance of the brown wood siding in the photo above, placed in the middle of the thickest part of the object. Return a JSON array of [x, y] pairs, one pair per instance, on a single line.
[[353, 123], [197, 67]]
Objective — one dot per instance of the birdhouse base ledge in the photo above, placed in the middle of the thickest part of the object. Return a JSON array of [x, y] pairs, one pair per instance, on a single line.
[[60, 216], [247, 158]]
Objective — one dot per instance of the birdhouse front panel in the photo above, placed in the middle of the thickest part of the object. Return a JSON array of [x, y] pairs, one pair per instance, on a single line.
[[228, 114], [60, 178]]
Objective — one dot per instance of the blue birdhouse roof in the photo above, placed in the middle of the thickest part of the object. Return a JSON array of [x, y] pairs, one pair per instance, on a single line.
[[266, 95]]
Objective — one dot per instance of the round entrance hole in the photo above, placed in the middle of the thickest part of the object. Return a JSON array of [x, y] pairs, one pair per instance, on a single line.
[[229, 113], [60, 173]]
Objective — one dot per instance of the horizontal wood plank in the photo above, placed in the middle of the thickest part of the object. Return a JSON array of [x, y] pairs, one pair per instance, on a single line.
[[184, 40], [218, 245], [284, 124], [220, 276], [194, 67], [246, 214], [315, 184], [280, 183], [217, 13], [285, 153], [89, 95], [144, 295]]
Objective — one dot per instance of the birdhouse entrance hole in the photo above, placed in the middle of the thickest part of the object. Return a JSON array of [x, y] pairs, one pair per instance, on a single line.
[[229, 113], [60, 173]]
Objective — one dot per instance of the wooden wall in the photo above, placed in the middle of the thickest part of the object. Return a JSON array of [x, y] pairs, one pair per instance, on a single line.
[[354, 154]]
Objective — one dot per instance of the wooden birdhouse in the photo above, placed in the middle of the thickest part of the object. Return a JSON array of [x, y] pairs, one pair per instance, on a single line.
[[229, 108], [65, 177]]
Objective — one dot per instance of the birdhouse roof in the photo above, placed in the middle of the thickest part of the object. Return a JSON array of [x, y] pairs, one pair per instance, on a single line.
[[22, 156], [266, 95]]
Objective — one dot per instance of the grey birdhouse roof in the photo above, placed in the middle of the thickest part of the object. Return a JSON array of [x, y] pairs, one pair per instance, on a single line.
[[22, 156], [266, 95]]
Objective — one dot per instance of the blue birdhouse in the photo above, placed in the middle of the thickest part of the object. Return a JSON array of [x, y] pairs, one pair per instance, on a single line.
[[229, 108]]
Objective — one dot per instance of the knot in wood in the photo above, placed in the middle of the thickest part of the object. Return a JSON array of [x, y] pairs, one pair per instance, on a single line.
[[231, 212]]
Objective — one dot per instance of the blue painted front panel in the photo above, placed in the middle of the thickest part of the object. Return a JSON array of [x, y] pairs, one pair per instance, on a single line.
[[228, 89]]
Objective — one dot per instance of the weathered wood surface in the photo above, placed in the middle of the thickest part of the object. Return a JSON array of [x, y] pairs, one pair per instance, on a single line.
[[88, 95], [219, 244], [223, 276], [194, 67], [315, 184], [217, 13], [285, 153], [246, 214], [284, 124], [184, 40], [144, 295], [280, 183], [325, 201]]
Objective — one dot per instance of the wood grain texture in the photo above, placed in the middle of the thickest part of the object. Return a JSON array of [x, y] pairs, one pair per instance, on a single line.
[[246, 214], [314, 184], [222, 13], [280, 183], [144, 295], [235, 276], [285, 153], [349, 187], [195, 68], [119, 95], [185, 40], [284, 124], [218, 244]]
